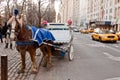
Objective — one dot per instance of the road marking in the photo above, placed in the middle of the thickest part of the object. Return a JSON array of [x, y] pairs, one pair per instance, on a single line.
[[117, 50], [116, 45], [96, 45], [116, 78], [111, 56]]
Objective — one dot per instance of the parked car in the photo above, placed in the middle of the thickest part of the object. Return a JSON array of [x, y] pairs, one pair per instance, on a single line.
[[104, 35]]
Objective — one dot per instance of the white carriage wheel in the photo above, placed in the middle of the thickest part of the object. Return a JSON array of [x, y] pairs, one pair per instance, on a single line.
[[70, 53]]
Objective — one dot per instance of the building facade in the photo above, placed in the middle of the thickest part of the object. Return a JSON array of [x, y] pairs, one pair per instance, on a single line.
[[84, 11], [69, 9], [76, 12]]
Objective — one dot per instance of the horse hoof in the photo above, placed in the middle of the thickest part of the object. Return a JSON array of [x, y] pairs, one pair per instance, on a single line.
[[49, 66], [44, 65], [11, 48], [20, 71], [5, 47], [34, 71]]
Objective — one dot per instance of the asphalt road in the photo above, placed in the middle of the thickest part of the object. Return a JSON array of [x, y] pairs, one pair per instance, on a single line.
[[93, 60]]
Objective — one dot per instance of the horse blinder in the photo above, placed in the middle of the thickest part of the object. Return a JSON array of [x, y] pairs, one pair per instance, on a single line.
[[17, 29]]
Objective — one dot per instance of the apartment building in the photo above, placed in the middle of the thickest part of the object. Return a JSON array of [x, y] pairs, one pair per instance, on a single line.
[[104, 10], [117, 13], [64, 10], [84, 11], [76, 12], [70, 10]]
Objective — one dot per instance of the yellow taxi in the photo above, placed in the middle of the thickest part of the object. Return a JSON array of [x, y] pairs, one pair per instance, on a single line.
[[118, 34], [85, 31], [104, 36], [91, 30]]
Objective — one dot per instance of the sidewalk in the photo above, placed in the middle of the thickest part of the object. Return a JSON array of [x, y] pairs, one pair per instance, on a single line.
[[14, 61]]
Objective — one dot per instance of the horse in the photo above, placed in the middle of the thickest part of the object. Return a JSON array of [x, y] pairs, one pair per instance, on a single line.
[[24, 43]]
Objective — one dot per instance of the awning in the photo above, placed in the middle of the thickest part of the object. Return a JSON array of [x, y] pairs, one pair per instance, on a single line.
[[103, 22]]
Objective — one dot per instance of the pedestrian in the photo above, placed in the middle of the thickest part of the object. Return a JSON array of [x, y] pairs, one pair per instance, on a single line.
[[69, 22], [44, 23], [6, 30], [1, 34], [7, 37]]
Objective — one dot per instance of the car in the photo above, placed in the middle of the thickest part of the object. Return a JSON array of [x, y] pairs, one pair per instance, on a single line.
[[104, 36], [76, 30], [118, 34], [84, 31], [91, 30]]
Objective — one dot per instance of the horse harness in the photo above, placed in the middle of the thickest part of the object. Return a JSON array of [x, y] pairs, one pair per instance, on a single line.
[[28, 43]]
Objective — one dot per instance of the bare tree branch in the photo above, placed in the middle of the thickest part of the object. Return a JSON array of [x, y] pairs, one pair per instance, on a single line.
[[45, 11], [8, 7], [43, 3], [23, 4]]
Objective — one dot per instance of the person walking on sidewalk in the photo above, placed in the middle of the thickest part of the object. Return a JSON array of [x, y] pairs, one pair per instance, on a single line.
[[1, 34], [44, 23]]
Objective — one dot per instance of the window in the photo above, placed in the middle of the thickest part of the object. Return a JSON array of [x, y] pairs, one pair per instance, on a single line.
[[111, 10], [106, 11], [118, 1], [106, 17]]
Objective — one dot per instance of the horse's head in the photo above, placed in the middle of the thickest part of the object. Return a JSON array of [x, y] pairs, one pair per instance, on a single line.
[[16, 23]]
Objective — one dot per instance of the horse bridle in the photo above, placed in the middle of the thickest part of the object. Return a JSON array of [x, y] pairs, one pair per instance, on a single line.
[[19, 27]]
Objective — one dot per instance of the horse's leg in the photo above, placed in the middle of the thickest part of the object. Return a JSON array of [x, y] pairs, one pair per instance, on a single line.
[[49, 54], [42, 48], [32, 52], [22, 68]]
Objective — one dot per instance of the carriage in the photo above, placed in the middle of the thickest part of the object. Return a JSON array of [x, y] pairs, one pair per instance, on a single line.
[[56, 41], [63, 43]]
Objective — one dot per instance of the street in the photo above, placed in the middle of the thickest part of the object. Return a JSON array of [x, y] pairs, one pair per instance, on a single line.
[[93, 60], [48, 25]]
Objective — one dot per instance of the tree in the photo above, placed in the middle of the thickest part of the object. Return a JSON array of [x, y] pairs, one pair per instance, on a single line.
[[33, 12]]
